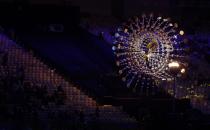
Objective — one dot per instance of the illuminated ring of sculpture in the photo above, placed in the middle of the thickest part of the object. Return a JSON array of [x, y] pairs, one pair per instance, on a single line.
[[145, 46]]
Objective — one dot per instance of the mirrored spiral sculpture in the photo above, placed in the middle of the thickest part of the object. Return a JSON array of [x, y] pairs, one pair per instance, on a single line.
[[144, 46]]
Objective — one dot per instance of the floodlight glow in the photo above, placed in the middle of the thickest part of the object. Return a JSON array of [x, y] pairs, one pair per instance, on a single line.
[[173, 65]]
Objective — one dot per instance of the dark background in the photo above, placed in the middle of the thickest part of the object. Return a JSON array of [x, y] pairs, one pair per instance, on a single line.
[[193, 14]]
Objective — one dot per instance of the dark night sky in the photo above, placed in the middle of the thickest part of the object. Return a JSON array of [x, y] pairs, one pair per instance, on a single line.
[[182, 11], [126, 7], [104, 7]]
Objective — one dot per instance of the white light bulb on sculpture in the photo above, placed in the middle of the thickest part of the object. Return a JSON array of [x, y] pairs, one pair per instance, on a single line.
[[183, 70]]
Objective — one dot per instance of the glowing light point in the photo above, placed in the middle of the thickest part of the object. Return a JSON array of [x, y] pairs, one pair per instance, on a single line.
[[116, 35], [182, 70], [173, 65], [165, 20], [113, 48], [181, 32], [170, 24]]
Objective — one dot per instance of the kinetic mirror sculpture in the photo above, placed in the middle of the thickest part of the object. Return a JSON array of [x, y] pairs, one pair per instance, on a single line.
[[144, 46]]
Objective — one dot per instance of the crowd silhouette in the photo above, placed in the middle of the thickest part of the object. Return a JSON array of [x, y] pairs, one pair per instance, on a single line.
[[25, 105]]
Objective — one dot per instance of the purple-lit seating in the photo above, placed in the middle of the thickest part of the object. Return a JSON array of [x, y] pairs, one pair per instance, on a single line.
[[36, 72]]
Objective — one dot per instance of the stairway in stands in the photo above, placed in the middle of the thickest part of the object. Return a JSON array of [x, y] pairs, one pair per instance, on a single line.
[[37, 72]]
